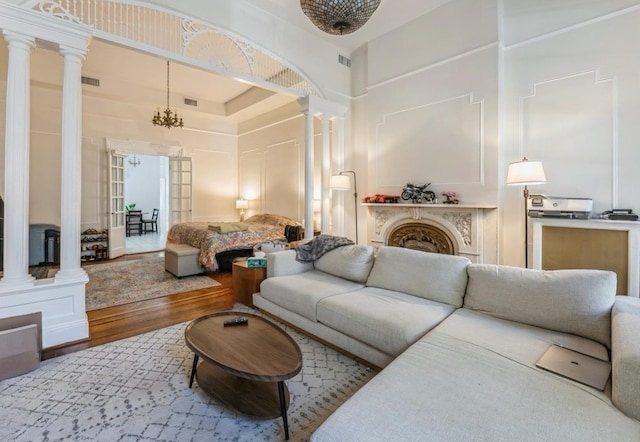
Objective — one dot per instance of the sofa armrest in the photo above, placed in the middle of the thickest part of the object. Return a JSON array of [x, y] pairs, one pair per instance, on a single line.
[[284, 263], [625, 355]]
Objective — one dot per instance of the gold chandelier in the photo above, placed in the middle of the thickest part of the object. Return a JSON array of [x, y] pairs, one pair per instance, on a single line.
[[169, 119]]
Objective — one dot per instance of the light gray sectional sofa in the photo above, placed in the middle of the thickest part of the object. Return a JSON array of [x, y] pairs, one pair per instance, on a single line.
[[459, 343]]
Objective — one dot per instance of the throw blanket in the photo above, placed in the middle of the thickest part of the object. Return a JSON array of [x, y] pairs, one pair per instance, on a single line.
[[318, 246], [228, 227]]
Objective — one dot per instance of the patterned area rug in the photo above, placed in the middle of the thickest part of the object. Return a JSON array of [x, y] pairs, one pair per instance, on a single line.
[[123, 282], [137, 389], [39, 272]]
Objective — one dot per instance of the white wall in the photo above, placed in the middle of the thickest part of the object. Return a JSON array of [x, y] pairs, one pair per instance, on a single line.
[[271, 163], [432, 112], [428, 112], [572, 100], [454, 96]]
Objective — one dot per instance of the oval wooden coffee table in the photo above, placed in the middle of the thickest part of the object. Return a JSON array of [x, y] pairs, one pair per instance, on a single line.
[[244, 366]]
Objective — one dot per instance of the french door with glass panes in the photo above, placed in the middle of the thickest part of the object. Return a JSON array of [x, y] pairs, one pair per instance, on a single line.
[[117, 217], [180, 182]]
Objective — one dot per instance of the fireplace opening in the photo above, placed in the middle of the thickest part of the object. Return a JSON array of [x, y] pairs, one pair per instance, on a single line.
[[420, 236]]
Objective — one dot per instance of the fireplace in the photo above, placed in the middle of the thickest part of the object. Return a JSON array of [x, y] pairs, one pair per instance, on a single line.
[[421, 236], [469, 231]]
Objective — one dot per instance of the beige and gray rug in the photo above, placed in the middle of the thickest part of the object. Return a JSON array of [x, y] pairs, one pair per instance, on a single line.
[[117, 283], [123, 282], [137, 390]]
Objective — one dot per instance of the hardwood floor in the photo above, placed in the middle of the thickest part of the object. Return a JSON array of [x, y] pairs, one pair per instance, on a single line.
[[123, 321]]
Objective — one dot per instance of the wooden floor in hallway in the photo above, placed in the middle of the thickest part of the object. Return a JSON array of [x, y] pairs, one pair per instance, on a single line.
[[123, 321]]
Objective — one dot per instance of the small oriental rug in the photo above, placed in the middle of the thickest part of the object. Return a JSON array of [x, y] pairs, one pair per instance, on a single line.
[[118, 283]]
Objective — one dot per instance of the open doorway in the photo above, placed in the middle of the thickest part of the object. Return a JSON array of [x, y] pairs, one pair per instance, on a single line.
[[147, 188]]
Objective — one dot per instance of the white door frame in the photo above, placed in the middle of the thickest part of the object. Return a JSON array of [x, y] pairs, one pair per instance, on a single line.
[[127, 147], [117, 214]]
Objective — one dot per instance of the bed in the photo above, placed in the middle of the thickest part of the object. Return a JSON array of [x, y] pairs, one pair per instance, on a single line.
[[217, 250]]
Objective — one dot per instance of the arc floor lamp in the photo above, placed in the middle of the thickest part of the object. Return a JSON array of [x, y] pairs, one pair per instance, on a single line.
[[342, 182], [526, 173]]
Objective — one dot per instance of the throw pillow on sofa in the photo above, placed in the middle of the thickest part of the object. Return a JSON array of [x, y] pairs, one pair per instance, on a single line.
[[349, 262], [434, 276]]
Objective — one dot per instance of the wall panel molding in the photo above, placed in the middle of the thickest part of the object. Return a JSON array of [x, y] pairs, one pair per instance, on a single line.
[[426, 156], [273, 183], [581, 110]]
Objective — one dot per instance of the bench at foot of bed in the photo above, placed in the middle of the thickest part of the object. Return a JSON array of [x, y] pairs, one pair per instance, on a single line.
[[182, 260]]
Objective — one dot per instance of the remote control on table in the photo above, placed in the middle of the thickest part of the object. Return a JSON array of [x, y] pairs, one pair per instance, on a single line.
[[240, 320]]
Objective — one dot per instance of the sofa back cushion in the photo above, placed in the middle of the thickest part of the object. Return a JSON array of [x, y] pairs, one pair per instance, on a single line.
[[434, 276], [352, 262], [570, 301]]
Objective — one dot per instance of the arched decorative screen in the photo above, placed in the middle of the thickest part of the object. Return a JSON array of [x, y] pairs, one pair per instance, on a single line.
[[158, 30]]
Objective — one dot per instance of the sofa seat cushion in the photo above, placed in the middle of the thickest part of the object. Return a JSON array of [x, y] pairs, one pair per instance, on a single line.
[[301, 292], [351, 262], [570, 301], [513, 340], [387, 320], [434, 276], [446, 389]]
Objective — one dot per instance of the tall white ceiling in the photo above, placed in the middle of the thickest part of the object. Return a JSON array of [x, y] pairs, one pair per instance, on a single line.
[[107, 61], [389, 15]]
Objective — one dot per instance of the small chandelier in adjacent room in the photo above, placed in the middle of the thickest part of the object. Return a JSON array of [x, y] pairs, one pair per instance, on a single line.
[[169, 119], [134, 161], [339, 17]]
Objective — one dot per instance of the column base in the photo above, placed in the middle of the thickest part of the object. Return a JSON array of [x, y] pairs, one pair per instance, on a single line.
[[71, 275], [9, 283]]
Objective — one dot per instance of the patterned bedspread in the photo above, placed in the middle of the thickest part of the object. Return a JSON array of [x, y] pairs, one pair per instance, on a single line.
[[261, 227]]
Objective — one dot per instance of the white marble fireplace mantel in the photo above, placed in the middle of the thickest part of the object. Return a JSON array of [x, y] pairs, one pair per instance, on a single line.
[[472, 227]]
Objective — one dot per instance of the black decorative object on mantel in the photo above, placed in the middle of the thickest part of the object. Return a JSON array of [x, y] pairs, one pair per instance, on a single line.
[[339, 17], [417, 193]]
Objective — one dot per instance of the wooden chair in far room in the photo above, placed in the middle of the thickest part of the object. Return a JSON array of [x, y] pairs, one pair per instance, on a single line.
[[151, 225], [134, 222]]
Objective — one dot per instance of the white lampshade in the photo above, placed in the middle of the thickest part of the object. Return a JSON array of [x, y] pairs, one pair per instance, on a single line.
[[242, 204], [525, 173], [340, 182]]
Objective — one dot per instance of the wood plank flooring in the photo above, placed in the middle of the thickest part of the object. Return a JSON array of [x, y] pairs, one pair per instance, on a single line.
[[123, 321]]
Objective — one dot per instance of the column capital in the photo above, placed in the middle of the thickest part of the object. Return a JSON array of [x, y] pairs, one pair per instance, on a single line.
[[44, 27], [19, 39], [312, 105], [71, 52]]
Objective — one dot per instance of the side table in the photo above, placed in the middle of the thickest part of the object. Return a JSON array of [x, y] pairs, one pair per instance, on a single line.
[[246, 281]]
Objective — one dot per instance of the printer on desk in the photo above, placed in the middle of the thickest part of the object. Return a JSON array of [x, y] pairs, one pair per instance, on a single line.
[[543, 206]]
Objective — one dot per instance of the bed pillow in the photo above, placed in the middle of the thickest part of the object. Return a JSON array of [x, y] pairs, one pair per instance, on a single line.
[[270, 219], [352, 262]]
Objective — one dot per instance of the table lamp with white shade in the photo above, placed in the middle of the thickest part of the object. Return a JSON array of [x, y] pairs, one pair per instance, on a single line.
[[242, 204], [526, 173]]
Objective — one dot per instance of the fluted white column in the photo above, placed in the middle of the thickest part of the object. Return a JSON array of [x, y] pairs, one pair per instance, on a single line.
[[71, 166], [16, 164], [326, 175], [308, 175]]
